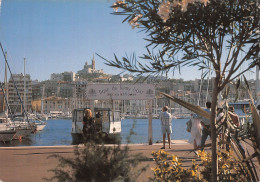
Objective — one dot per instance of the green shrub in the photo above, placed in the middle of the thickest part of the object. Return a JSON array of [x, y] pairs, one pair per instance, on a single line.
[[96, 163]]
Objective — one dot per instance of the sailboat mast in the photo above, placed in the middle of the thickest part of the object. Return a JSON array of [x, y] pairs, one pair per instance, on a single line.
[[201, 81], [6, 84], [42, 100], [24, 92], [12, 78]]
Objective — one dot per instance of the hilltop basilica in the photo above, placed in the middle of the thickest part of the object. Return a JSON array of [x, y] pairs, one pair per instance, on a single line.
[[90, 68]]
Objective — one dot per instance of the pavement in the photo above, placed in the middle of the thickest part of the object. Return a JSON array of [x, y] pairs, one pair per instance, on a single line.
[[31, 164]]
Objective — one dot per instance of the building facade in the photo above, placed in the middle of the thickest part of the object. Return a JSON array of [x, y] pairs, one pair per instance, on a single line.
[[24, 88], [54, 103], [65, 76]]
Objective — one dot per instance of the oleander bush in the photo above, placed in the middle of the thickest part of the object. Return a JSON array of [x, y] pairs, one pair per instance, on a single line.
[[96, 163], [169, 168], [229, 168]]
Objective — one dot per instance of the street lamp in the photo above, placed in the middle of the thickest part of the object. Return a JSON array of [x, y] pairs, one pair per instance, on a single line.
[[67, 106]]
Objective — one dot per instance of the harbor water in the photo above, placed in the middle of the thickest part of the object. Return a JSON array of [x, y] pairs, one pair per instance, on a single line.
[[57, 132]]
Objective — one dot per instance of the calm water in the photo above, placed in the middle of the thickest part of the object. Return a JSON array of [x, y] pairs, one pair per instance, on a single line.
[[57, 132]]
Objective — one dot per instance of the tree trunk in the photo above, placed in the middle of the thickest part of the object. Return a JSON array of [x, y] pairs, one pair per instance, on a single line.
[[213, 130]]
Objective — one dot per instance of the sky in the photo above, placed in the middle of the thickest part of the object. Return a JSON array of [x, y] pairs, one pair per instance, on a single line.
[[61, 35]]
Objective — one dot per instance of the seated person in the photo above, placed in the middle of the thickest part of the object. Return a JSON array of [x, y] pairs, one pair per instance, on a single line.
[[98, 115], [88, 122], [98, 122]]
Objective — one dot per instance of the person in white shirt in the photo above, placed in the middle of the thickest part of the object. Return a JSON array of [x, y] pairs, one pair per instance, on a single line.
[[196, 131], [205, 123], [166, 125]]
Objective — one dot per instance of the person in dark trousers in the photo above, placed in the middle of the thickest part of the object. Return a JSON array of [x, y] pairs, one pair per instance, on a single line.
[[166, 124], [88, 125], [98, 115], [205, 123]]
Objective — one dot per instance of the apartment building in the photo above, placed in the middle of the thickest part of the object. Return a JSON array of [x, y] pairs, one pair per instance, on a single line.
[[20, 85], [65, 76], [54, 103]]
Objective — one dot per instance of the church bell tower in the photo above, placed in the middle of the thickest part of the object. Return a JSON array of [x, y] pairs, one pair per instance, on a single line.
[[93, 63]]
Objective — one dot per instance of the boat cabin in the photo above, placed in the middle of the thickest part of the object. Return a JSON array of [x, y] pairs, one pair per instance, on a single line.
[[242, 109], [107, 125]]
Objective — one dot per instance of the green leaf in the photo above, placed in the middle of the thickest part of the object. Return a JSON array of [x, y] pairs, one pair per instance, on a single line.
[[196, 109]]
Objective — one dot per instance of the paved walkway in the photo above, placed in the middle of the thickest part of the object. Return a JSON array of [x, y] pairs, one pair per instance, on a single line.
[[30, 164]]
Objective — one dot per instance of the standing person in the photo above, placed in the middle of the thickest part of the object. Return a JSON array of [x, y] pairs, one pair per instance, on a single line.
[[235, 121], [205, 126], [88, 124], [196, 131], [166, 124]]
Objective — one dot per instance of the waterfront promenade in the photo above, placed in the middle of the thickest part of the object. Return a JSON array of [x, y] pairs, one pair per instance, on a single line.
[[30, 164]]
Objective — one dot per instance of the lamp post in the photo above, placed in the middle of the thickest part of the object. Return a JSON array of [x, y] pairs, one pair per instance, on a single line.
[[66, 109]]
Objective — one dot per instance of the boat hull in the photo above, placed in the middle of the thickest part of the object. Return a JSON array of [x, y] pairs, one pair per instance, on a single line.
[[24, 130], [7, 136], [101, 137], [40, 127]]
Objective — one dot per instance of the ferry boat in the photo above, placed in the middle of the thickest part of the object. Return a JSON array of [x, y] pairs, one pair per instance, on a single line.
[[107, 126]]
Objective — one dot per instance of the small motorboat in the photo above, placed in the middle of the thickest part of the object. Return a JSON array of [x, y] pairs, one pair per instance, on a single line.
[[107, 126]]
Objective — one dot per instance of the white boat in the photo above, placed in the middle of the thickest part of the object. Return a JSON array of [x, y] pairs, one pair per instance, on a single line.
[[40, 125], [23, 129], [107, 125], [42, 117], [6, 133], [181, 116], [7, 129]]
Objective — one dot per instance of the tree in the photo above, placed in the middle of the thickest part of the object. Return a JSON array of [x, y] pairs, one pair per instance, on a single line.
[[220, 36]]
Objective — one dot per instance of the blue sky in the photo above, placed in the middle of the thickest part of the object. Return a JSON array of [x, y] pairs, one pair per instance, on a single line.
[[61, 35]]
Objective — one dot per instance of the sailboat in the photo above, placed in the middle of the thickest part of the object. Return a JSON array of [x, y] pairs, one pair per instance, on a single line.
[[7, 133], [38, 124], [23, 127]]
